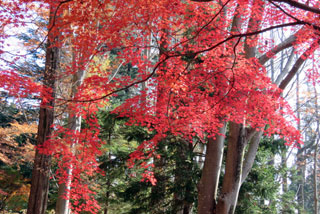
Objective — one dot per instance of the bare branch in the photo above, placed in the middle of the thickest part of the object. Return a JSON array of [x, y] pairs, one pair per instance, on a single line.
[[299, 5], [298, 64], [284, 45], [285, 70]]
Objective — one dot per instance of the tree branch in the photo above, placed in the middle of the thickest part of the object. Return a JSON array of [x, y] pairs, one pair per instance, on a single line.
[[298, 64], [284, 45], [299, 5], [250, 155], [241, 35], [170, 55]]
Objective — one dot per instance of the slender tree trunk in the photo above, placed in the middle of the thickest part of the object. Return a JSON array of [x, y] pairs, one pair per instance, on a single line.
[[74, 125], [300, 155], [315, 182], [38, 198], [108, 186], [108, 181], [62, 204], [106, 209], [208, 185], [158, 191], [315, 157], [285, 206]]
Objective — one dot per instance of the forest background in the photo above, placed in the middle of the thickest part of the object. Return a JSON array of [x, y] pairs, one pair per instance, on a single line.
[[159, 107]]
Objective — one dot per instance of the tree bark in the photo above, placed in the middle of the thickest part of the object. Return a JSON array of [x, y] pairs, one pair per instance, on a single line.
[[208, 185], [284, 206], [315, 157], [251, 155], [62, 204], [298, 64], [233, 171], [74, 125], [38, 198], [300, 155], [315, 182]]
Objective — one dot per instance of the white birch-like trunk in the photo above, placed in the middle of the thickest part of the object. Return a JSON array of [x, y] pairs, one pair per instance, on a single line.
[[74, 125]]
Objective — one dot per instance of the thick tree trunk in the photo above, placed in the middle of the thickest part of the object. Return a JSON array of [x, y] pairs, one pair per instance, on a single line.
[[233, 171], [208, 185], [238, 166], [38, 198]]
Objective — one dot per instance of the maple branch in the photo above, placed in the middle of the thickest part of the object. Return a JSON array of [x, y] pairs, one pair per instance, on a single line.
[[282, 10], [299, 5], [289, 2], [230, 81], [55, 13], [49, 28], [123, 88], [239, 36], [204, 26], [293, 17], [170, 92], [284, 45], [193, 55], [298, 64], [115, 73], [285, 70]]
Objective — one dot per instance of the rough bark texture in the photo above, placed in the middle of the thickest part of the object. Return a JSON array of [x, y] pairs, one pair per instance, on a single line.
[[38, 198], [208, 185], [40, 175]]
